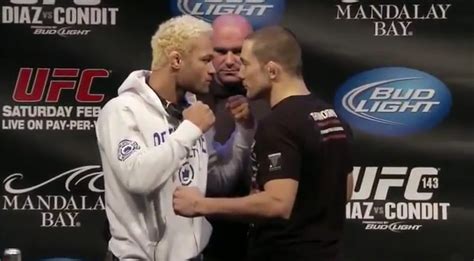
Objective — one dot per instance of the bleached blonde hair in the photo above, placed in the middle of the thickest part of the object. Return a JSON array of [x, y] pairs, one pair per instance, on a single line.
[[174, 35]]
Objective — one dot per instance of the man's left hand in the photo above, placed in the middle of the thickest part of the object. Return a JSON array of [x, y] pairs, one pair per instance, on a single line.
[[185, 200]]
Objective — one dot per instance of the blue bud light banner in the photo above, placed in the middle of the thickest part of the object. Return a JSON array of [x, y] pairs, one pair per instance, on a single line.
[[393, 101], [399, 72]]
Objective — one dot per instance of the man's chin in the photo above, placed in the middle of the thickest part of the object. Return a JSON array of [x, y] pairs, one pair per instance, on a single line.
[[203, 90], [250, 96], [230, 79]]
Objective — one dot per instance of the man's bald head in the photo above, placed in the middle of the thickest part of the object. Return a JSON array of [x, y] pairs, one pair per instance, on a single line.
[[232, 22], [229, 32]]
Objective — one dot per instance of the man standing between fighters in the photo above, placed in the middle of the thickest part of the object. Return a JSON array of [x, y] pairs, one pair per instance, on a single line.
[[229, 238]]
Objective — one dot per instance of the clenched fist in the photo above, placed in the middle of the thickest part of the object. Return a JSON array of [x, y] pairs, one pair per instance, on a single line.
[[238, 106], [200, 114], [185, 200]]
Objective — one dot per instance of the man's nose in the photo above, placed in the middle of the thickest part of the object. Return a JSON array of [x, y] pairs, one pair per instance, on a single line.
[[211, 69], [230, 58]]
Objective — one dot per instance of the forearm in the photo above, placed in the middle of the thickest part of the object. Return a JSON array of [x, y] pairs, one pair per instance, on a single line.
[[229, 162], [256, 206], [150, 168]]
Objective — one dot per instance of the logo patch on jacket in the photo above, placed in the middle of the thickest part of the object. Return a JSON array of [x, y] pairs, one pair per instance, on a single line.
[[186, 174], [275, 161], [126, 148]]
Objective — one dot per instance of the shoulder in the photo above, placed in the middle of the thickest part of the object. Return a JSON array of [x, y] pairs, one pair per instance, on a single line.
[[122, 108], [128, 101], [273, 128]]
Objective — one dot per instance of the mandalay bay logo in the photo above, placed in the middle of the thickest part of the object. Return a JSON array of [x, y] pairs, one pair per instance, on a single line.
[[82, 194], [392, 19]]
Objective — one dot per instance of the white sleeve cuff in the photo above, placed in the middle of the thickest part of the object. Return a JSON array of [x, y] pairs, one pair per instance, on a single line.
[[187, 133]]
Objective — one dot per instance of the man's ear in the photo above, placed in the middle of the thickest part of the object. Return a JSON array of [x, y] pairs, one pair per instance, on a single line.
[[273, 70], [175, 59]]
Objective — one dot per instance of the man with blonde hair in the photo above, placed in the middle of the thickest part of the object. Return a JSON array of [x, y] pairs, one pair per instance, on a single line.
[[151, 141]]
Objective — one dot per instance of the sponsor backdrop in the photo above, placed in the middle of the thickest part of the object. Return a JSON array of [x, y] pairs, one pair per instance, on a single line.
[[400, 72]]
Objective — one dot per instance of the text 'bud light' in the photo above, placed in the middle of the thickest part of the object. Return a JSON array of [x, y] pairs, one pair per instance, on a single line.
[[393, 101], [259, 12]]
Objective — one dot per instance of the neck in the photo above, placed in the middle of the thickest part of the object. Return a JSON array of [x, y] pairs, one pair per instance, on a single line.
[[164, 84], [286, 88]]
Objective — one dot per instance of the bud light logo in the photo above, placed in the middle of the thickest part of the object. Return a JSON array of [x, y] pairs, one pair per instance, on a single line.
[[260, 13], [393, 101]]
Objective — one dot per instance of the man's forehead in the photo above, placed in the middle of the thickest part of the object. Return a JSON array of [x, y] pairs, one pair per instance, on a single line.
[[230, 32], [202, 41], [227, 41], [247, 51], [247, 46], [232, 22]]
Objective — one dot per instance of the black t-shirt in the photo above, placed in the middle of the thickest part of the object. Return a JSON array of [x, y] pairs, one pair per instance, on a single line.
[[303, 139]]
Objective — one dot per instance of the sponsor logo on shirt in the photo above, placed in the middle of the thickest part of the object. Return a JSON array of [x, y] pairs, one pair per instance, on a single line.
[[127, 148], [275, 161], [186, 174], [328, 124]]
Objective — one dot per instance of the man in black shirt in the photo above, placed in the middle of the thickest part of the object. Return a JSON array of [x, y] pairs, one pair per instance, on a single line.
[[302, 157]]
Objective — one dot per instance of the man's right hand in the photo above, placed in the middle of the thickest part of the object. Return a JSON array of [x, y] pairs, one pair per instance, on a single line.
[[201, 115], [238, 105]]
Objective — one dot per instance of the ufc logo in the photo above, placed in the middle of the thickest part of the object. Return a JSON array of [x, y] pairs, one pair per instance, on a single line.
[[391, 177], [60, 79], [53, 2]]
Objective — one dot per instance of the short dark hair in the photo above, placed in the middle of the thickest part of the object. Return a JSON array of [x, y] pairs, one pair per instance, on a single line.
[[278, 44]]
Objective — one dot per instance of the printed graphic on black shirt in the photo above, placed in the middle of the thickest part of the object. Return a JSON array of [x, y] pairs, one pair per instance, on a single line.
[[275, 161], [328, 124]]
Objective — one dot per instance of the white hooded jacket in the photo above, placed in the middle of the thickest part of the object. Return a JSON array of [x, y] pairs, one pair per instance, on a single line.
[[144, 159]]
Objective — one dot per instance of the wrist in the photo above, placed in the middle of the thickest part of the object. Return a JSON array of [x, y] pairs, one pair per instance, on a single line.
[[244, 135], [248, 123], [201, 206]]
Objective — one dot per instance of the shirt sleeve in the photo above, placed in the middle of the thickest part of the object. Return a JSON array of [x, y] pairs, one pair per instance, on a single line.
[[228, 162], [140, 169], [348, 161], [278, 153]]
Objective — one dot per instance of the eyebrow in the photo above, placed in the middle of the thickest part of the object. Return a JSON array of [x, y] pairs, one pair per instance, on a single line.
[[225, 50], [207, 56]]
